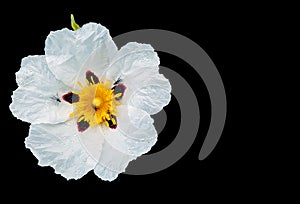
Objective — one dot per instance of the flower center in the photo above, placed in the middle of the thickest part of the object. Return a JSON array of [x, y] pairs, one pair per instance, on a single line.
[[95, 103]]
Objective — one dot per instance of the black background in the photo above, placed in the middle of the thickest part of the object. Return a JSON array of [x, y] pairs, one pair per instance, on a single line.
[[221, 30]]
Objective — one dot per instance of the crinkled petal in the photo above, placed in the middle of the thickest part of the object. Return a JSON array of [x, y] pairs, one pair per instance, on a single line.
[[38, 98], [69, 53], [147, 90], [60, 147], [131, 58], [135, 134], [92, 140], [137, 66], [111, 163]]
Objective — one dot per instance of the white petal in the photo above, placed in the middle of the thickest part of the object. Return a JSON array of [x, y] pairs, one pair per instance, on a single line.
[[59, 146], [70, 52], [134, 136], [135, 133], [131, 58], [36, 99], [147, 90], [92, 140], [137, 65], [111, 163]]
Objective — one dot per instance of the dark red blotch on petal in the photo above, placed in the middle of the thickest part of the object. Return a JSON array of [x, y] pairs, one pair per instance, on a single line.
[[119, 88], [82, 125], [71, 97], [90, 76]]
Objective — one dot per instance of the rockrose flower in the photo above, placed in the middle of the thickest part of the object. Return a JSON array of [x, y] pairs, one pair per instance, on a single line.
[[89, 104]]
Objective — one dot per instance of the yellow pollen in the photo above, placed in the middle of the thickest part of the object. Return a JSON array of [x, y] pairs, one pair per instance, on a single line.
[[96, 103]]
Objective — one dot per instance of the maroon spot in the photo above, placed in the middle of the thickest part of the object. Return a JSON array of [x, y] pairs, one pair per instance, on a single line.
[[110, 122], [119, 88], [82, 125], [71, 97], [90, 76]]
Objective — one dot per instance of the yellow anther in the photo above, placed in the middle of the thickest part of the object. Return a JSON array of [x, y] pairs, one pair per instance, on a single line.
[[117, 95], [97, 102]]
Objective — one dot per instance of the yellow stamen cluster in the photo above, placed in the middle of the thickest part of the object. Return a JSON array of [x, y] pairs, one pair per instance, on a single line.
[[96, 104]]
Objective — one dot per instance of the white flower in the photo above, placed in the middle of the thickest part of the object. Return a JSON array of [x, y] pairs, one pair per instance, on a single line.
[[89, 104]]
